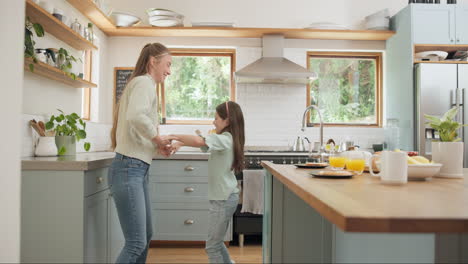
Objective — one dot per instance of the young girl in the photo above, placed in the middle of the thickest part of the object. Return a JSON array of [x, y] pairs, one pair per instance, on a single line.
[[226, 149]]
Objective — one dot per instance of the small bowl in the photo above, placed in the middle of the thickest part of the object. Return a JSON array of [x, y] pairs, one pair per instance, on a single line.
[[423, 171], [124, 20]]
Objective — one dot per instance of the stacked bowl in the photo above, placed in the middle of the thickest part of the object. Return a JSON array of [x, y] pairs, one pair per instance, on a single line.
[[164, 18]]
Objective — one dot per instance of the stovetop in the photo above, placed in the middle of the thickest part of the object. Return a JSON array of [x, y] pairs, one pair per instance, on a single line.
[[253, 158]]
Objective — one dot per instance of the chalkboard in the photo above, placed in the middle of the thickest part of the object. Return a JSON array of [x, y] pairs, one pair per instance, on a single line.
[[121, 76]]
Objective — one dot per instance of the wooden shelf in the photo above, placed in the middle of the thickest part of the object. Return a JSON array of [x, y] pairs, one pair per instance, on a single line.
[[431, 47], [93, 13], [292, 33], [53, 73], [443, 62], [56, 28]]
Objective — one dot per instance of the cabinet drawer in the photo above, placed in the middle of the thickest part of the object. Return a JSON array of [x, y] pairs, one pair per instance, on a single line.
[[95, 181], [179, 168], [179, 192], [180, 224]]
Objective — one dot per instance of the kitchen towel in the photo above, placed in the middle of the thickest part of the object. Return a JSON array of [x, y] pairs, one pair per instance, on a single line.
[[252, 198]]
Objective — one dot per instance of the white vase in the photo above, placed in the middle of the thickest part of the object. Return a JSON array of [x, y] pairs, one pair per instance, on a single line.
[[450, 155], [46, 147]]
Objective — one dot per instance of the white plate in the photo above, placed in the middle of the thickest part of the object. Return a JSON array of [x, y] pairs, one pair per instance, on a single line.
[[423, 171], [441, 54], [162, 12], [327, 25], [171, 22], [212, 24]]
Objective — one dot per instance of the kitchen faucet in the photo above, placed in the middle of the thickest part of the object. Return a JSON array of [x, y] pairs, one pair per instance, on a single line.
[[321, 124]]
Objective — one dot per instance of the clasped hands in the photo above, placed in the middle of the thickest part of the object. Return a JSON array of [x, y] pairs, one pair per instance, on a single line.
[[167, 145]]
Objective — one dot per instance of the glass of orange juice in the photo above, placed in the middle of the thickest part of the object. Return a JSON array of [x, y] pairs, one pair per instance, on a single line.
[[356, 161], [337, 161]]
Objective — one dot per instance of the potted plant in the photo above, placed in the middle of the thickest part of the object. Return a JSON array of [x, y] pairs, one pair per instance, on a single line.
[[68, 129], [29, 51], [64, 62], [448, 150]]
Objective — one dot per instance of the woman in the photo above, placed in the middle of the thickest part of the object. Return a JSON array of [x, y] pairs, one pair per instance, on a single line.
[[135, 139]]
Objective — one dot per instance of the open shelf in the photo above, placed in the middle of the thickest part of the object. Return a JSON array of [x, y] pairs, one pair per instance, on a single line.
[[50, 72], [93, 13], [443, 62], [56, 28], [292, 33], [431, 47]]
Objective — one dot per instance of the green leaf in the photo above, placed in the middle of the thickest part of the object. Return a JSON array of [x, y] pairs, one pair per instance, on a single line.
[[49, 125], [62, 150], [87, 146], [433, 119], [450, 114], [38, 29], [81, 134], [75, 116], [31, 67]]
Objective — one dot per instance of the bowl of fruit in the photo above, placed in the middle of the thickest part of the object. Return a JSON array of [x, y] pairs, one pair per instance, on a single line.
[[420, 168]]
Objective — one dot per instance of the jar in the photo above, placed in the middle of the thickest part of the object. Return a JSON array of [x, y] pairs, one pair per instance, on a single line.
[[76, 26]]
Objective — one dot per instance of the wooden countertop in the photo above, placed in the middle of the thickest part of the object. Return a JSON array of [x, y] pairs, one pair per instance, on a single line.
[[364, 204]]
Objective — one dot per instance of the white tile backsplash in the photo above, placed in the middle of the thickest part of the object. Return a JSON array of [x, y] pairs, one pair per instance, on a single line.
[[273, 116]]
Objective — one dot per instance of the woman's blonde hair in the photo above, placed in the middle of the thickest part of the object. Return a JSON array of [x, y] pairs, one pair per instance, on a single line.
[[156, 50]]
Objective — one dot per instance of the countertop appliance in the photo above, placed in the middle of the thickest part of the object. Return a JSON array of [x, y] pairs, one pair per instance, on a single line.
[[439, 87], [251, 224]]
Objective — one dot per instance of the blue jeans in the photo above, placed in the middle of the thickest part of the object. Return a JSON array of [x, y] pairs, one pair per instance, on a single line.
[[128, 181], [221, 212]]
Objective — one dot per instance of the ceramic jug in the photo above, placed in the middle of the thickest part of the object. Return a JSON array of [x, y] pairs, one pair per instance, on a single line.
[[46, 147]]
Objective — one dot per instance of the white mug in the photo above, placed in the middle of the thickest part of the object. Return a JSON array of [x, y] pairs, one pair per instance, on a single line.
[[393, 167]]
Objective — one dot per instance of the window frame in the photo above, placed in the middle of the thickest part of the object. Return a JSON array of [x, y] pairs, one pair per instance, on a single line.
[[378, 83], [88, 62], [197, 53]]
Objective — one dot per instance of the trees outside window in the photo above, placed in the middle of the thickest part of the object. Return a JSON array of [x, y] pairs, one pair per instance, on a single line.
[[348, 89], [199, 81]]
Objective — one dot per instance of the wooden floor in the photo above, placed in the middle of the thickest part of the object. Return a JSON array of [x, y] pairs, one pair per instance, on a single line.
[[247, 254]]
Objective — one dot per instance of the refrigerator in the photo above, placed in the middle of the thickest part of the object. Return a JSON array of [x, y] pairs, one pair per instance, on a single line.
[[439, 87]]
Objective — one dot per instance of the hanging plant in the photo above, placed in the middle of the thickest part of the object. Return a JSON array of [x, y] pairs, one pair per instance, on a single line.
[[29, 51]]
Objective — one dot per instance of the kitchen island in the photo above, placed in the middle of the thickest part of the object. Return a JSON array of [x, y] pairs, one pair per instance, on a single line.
[[361, 220]]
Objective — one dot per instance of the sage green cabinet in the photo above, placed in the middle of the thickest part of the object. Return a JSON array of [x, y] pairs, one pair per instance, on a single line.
[[68, 216], [180, 205], [439, 24]]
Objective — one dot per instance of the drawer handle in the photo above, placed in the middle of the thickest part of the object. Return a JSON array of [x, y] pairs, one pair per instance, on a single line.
[[189, 222], [189, 189], [99, 180], [189, 168]]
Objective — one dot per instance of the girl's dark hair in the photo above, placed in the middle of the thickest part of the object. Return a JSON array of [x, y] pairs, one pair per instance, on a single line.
[[232, 111]]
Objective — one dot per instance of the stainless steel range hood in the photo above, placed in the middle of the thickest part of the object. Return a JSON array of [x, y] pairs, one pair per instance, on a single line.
[[273, 68]]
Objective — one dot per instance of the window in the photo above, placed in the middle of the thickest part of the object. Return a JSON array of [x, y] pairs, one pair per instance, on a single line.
[[348, 90], [199, 81]]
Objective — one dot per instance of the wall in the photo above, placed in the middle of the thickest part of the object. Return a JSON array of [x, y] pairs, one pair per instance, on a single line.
[[11, 68], [268, 13], [42, 97], [273, 113]]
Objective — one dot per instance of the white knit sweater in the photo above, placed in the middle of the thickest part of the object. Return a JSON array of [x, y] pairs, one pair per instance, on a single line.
[[138, 119]]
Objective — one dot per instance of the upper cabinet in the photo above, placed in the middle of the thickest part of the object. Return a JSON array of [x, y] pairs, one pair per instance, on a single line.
[[440, 24], [461, 17]]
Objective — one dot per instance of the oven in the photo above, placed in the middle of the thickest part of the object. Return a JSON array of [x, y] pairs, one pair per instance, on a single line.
[[249, 224]]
